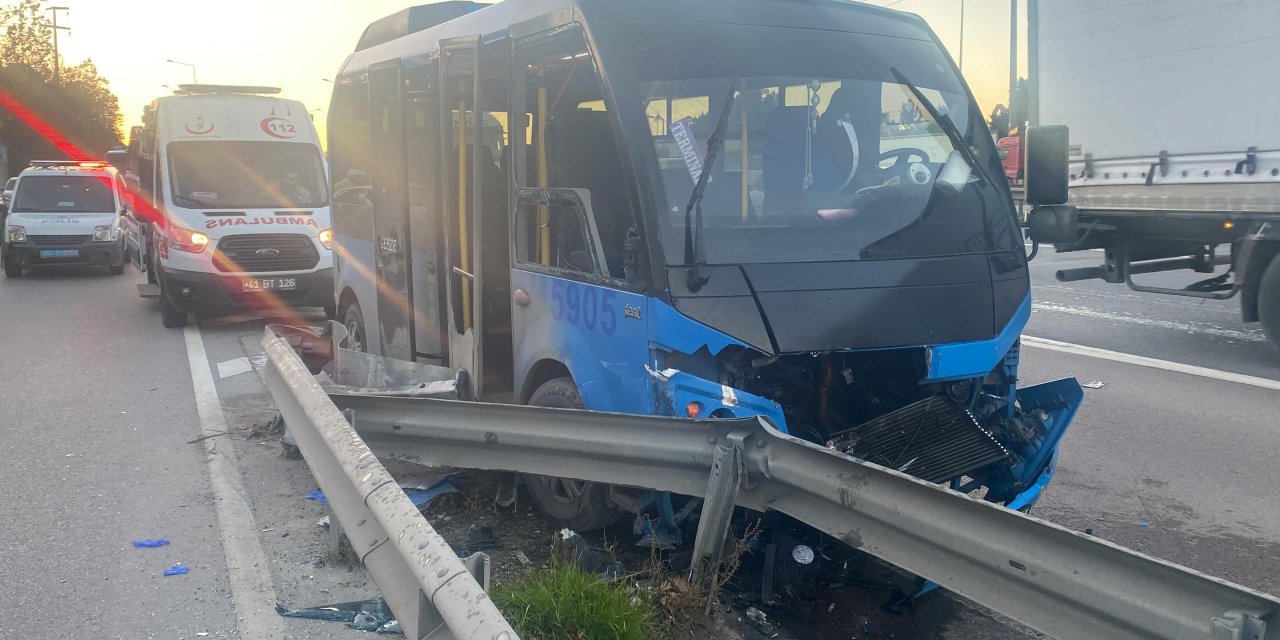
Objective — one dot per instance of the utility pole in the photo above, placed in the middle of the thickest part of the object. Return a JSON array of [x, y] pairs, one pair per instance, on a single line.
[[1033, 61], [1013, 59], [962, 37], [57, 61]]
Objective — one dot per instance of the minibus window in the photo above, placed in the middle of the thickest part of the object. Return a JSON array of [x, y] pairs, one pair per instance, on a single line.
[[827, 155]]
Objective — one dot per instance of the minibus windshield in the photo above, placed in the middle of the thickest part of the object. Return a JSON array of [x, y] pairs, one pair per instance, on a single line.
[[246, 174], [829, 152]]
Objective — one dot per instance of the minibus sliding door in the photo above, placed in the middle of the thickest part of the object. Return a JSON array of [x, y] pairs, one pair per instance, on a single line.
[[390, 211]]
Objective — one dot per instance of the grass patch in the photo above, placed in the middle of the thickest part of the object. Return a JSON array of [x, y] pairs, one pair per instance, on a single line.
[[562, 602]]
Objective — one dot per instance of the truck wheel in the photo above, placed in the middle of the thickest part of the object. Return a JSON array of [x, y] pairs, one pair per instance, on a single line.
[[1269, 300], [576, 504], [353, 320], [170, 317]]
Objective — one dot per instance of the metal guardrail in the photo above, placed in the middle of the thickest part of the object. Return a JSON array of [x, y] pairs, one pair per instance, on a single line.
[[1060, 582], [431, 591]]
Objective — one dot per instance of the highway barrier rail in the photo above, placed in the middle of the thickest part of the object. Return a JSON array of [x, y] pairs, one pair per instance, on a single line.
[[1065, 584]]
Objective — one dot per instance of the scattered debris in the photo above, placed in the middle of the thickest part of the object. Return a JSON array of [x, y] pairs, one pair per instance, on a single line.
[[1094, 384], [1088, 531], [761, 622], [481, 538], [234, 367], [323, 522], [176, 570], [206, 437], [571, 547], [1145, 523], [1100, 519], [524, 559], [364, 615], [421, 498], [202, 634], [150, 543]]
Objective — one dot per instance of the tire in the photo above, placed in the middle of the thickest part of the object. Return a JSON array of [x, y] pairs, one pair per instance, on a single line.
[[331, 311], [576, 504], [353, 320], [116, 269], [1269, 301], [12, 269], [170, 317]]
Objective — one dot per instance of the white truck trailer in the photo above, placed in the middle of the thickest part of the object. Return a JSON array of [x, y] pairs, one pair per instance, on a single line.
[[1174, 139]]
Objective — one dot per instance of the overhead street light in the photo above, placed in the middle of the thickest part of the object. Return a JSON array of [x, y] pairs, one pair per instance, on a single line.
[[57, 61], [194, 79]]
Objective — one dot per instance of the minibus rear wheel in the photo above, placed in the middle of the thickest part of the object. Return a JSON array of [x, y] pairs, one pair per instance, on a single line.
[[576, 504]]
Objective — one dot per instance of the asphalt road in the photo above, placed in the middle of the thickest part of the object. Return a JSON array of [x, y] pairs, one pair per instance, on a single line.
[[100, 409]]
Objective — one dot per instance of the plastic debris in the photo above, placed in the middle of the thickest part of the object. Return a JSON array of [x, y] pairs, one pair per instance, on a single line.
[[481, 538], [323, 522], [1145, 523], [761, 622], [524, 559], [234, 367], [1094, 384], [570, 546], [176, 570], [1100, 519], [364, 615], [150, 543], [422, 498], [317, 496]]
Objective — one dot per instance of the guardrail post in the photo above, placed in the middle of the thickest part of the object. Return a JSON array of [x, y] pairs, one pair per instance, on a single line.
[[717, 512]]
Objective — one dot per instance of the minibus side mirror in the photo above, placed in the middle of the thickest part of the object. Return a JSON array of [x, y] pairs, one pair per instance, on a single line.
[[1045, 150], [1054, 224]]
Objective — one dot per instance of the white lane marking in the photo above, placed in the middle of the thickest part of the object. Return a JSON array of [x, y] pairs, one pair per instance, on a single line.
[[1143, 361], [1148, 298], [1187, 327], [251, 589]]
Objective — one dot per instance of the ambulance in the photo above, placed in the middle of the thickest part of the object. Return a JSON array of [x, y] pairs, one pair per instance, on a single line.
[[232, 204]]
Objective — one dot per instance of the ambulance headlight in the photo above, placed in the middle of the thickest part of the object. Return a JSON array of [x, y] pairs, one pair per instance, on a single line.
[[326, 238]]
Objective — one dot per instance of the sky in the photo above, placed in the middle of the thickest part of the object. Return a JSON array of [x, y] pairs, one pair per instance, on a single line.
[[298, 44]]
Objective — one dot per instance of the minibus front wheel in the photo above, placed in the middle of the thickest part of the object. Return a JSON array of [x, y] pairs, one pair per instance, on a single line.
[[576, 504]]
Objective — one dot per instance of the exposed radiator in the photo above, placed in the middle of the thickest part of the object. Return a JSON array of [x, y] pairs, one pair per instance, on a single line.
[[933, 439]]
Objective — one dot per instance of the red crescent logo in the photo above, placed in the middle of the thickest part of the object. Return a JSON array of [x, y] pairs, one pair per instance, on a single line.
[[278, 127], [198, 126]]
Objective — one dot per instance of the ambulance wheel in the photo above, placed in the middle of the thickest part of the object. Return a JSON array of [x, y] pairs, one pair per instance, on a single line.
[[1269, 301], [170, 317], [576, 504]]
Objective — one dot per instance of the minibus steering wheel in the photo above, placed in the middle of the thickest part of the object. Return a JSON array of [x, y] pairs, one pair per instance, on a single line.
[[903, 159]]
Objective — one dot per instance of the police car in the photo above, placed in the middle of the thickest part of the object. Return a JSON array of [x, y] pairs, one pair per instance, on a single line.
[[65, 213]]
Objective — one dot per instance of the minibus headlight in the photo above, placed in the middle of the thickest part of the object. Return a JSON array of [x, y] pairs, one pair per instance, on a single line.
[[326, 238], [17, 234], [187, 240]]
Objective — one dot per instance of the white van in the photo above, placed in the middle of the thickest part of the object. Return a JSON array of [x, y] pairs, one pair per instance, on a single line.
[[65, 213], [233, 206]]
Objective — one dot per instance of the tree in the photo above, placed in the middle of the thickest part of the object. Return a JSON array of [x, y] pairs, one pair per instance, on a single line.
[[79, 107]]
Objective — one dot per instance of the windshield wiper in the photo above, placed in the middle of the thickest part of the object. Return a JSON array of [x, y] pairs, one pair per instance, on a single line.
[[188, 202], [944, 121], [695, 253]]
